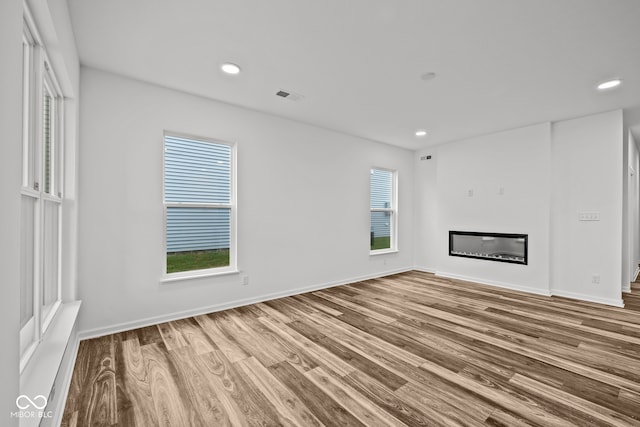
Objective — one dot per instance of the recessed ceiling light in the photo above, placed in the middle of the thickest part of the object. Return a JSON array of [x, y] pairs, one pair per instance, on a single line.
[[421, 133], [230, 68], [609, 84]]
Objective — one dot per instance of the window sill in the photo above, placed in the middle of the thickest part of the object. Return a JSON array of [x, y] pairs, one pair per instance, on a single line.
[[177, 277], [383, 252], [40, 372]]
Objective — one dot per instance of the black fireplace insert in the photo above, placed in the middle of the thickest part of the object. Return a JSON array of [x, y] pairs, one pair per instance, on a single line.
[[501, 247]]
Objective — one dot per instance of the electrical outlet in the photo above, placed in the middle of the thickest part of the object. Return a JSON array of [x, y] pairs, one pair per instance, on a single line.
[[595, 279], [470, 193], [245, 280], [589, 216]]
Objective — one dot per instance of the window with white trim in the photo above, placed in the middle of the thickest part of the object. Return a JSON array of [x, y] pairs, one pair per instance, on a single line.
[[199, 202], [42, 193], [383, 210]]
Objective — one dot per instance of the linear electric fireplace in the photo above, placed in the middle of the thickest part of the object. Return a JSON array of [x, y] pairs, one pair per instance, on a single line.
[[500, 247]]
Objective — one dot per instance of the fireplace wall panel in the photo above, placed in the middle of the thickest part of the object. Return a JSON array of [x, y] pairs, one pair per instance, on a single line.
[[501, 247]]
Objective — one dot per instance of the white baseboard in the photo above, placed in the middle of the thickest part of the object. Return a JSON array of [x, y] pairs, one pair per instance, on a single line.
[[544, 292], [425, 269], [590, 298], [125, 326], [511, 286]]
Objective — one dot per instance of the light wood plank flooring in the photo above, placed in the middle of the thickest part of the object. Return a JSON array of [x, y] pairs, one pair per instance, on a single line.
[[410, 349]]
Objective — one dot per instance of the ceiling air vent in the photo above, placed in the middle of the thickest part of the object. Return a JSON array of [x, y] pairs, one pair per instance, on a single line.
[[287, 94]]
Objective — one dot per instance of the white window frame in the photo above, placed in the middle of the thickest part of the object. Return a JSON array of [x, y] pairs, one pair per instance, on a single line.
[[232, 268], [392, 210], [38, 76]]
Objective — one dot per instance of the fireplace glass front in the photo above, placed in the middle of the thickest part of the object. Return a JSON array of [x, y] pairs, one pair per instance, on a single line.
[[500, 247]]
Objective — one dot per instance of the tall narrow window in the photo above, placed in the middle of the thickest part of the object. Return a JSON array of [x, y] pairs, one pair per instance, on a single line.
[[42, 193], [199, 201], [51, 195], [383, 202]]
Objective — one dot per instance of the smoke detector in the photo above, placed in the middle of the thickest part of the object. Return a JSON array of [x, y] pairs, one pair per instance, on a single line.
[[287, 94], [428, 76]]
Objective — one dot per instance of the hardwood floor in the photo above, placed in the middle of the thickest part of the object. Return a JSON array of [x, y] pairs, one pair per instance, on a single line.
[[632, 300], [410, 349]]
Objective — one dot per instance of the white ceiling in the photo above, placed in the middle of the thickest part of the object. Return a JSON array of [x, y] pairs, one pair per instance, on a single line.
[[500, 64]]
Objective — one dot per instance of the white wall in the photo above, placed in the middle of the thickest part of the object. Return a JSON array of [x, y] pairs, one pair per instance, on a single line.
[[303, 203], [549, 173], [10, 178], [587, 162], [516, 161]]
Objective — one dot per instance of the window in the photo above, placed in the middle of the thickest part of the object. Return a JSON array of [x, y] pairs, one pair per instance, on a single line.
[[383, 207], [42, 193], [199, 201]]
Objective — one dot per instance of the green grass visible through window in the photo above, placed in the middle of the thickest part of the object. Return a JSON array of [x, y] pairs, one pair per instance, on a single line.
[[381, 243], [197, 260]]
